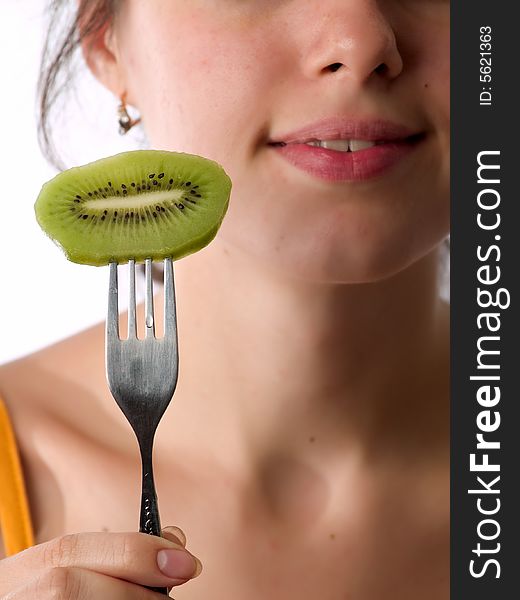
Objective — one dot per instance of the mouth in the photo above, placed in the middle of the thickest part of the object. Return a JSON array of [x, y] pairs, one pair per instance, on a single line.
[[348, 145], [347, 150]]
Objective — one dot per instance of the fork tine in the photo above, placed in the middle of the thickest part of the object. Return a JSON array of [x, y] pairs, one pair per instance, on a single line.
[[170, 327], [113, 314], [148, 302], [132, 328]]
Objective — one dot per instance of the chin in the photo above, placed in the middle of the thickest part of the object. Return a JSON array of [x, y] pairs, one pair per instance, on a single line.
[[370, 253], [351, 243], [345, 270], [333, 267]]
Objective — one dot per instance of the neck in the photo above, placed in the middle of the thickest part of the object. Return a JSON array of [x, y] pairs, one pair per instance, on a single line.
[[271, 366]]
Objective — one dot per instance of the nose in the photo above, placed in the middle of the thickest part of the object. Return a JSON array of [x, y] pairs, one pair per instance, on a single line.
[[352, 39]]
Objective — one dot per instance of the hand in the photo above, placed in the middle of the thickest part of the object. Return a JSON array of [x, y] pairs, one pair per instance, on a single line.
[[89, 566]]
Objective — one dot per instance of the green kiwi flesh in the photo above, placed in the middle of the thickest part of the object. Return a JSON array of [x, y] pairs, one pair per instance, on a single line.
[[135, 205]]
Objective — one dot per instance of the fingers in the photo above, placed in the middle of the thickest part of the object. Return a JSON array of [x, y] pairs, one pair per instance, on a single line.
[[174, 534], [134, 557], [70, 583]]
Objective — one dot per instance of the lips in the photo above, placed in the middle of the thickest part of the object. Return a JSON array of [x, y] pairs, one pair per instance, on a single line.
[[347, 150]]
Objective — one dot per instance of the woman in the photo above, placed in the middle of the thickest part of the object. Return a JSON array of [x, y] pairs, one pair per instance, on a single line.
[[305, 452]]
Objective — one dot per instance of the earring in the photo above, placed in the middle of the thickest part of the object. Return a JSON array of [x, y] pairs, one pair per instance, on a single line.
[[123, 118]]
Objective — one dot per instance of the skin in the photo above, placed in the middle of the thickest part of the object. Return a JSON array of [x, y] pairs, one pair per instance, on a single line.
[[305, 452]]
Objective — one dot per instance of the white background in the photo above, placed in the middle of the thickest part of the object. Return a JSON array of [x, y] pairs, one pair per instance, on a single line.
[[43, 297]]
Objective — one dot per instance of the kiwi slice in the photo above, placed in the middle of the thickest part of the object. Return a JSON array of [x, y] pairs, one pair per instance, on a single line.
[[135, 205]]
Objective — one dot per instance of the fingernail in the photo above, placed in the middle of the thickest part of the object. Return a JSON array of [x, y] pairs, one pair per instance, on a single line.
[[198, 569], [175, 532], [177, 564]]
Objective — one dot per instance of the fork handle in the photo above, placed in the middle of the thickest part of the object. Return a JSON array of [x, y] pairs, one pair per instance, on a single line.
[[149, 520]]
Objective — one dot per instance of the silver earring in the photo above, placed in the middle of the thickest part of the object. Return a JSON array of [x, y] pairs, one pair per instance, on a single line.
[[124, 120]]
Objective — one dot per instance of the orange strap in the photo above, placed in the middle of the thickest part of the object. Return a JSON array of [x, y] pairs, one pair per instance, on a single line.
[[15, 518]]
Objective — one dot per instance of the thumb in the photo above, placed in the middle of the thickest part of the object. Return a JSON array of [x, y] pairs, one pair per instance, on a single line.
[[177, 536]]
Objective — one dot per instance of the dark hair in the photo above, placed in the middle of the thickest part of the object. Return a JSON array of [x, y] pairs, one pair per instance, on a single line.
[[67, 28]]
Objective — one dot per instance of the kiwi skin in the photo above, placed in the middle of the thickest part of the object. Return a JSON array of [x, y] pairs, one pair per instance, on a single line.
[[135, 205]]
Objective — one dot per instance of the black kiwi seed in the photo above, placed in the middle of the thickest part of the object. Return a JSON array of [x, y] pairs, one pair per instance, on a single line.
[[155, 214], [109, 184], [85, 216], [132, 184], [103, 217], [155, 181], [123, 186], [171, 181], [115, 213], [161, 175], [188, 183], [181, 206], [151, 176]]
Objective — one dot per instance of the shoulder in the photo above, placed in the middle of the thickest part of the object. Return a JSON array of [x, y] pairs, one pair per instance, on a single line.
[[58, 405], [51, 389], [59, 396], [37, 381], [17, 387]]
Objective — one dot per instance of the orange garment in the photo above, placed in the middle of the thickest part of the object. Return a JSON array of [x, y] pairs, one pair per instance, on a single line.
[[15, 518]]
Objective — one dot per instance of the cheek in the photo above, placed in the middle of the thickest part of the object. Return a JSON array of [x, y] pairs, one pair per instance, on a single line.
[[201, 95], [438, 74], [431, 55]]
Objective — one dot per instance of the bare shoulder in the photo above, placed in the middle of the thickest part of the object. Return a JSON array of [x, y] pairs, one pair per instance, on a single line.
[[36, 382], [66, 426], [62, 387], [19, 387]]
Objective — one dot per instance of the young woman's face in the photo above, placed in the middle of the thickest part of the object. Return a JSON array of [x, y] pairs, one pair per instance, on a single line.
[[257, 84]]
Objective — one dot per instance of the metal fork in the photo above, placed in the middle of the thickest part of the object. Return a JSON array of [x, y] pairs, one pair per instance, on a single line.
[[142, 375]]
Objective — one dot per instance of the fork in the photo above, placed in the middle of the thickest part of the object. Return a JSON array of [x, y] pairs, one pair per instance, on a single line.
[[142, 376]]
